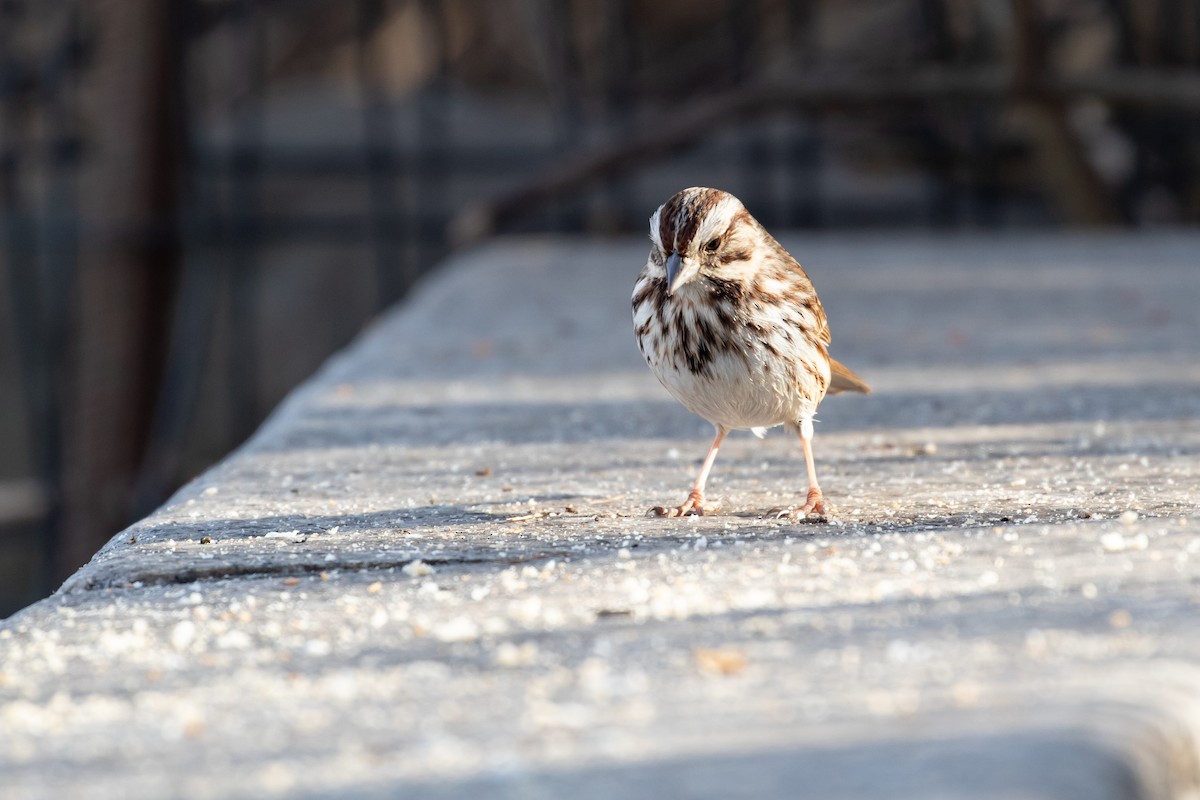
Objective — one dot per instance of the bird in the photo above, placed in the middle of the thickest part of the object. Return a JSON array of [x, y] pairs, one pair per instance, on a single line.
[[731, 326]]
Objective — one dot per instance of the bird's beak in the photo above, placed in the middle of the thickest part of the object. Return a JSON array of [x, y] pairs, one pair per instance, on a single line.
[[679, 272]]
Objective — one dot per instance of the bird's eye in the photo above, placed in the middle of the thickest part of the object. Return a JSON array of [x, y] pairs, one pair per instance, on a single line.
[[712, 245]]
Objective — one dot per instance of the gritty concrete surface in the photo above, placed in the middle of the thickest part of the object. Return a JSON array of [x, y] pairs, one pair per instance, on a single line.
[[431, 574]]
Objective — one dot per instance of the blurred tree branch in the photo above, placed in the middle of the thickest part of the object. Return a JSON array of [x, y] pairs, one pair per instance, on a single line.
[[1079, 192]]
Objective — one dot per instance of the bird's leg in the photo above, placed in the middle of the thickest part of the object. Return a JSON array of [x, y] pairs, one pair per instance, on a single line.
[[695, 501], [815, 502]]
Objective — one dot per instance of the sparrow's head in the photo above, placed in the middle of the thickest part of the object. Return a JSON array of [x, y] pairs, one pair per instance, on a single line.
[[701, 231]]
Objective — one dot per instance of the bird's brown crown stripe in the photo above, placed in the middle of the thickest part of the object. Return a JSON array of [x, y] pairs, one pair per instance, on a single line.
[[682, 215]]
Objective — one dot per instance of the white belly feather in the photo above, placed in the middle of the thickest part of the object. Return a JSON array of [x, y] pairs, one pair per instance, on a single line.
[[734, 394], [744, 387]]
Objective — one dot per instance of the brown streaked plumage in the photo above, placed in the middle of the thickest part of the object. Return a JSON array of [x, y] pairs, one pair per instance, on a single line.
[[731, 325]]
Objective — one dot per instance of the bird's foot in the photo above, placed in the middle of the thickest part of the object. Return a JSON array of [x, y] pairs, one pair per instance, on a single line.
[[813, 509], [695, 505]]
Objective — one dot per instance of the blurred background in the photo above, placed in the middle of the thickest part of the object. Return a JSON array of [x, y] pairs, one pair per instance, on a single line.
[[200, 200]]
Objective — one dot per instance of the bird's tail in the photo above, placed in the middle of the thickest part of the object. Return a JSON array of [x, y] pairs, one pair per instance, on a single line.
[[843, 380]]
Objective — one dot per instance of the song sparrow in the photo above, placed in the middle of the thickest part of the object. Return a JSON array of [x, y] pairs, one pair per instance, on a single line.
[[731, 325]]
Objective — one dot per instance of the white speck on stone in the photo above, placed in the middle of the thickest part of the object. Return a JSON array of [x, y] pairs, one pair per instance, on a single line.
[[295, 537], [1129, 517], [317, 647], [459, 629], [700, 543], [510, 581], [183, 634], [417, 569], [234, 640], [528, 611], [514, 655], [989, 578], [1112, 542], [624, 554], [1089, 591], [112, 643]]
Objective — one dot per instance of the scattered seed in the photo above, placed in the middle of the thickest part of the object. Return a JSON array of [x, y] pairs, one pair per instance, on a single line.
[[610, 613], [719, 662], [528, 517], [1120, 619]]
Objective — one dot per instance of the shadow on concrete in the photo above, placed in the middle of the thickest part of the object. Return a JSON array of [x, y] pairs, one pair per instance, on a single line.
[[1031, 765], [448, 537]]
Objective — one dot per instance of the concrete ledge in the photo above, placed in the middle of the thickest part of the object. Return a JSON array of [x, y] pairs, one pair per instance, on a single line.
[[431, 572]]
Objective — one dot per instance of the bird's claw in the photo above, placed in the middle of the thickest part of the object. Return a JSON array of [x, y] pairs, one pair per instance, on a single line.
[[695, 505], [793, 514], [813, 510]]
